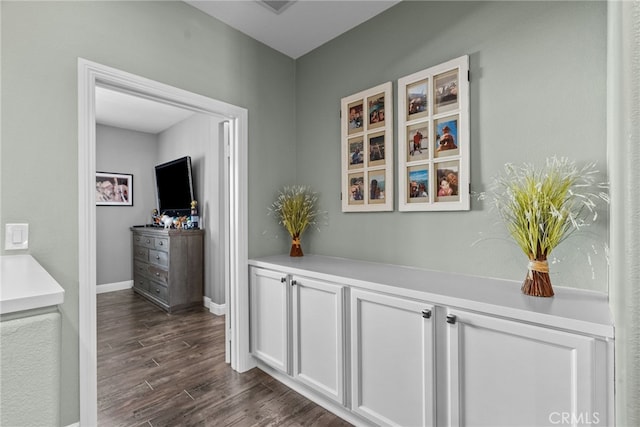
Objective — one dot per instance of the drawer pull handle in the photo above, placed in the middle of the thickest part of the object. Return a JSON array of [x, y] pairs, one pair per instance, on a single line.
[[451, 319], [161, 243], [157, 290], [426, 313], [148, 241], [157, 256]]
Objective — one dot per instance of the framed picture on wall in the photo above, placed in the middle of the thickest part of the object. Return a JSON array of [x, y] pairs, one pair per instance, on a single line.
[[433, 125], [114, 189], [356, 117], [367, 150]]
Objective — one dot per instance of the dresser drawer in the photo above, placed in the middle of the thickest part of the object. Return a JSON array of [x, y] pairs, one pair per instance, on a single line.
[[145, 241], [159, 258], [141, 253], [140, 267], [159, 274], [161, 244], [140, 282], [159, 291]]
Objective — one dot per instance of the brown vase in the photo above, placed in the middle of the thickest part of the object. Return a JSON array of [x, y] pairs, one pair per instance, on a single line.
[[537, 283], [296, 248]]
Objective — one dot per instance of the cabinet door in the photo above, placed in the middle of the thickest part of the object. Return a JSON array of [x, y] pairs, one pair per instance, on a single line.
[[507, 373], [318, 336], [269, 296], [392, 361]]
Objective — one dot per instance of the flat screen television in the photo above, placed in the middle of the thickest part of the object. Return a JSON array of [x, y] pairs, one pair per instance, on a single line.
[[174, 183]]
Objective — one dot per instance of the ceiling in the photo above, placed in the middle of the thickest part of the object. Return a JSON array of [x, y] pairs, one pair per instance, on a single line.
[[122, 110], [295, 29], [300, 26]]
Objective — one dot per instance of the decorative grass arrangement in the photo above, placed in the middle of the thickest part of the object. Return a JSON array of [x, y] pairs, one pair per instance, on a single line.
[[296, 210], [542, 207]]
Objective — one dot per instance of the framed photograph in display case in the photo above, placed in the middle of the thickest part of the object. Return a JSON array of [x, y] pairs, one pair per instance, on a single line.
[[417, 189], [377, 186], [367, 150], [434, 134], [356, 117], [447, 179], [417, 105], [356, 189], [355, 153], [418, 142]]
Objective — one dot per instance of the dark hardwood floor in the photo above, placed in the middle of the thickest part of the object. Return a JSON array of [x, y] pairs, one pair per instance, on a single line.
[[158, 369]]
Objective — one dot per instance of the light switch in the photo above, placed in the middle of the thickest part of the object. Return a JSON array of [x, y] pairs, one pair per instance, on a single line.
[[16, 236]]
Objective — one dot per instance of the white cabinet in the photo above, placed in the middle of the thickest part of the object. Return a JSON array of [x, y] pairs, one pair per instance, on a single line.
[[508, 373], [318, 336], [389, 345], [297, 327], [392, 359], [269, 295]]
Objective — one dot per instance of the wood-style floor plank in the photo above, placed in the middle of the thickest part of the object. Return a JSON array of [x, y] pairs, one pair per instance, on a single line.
[[157, 369]]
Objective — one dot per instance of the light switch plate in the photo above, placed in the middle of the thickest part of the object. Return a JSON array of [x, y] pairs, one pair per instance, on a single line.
[[16, 236]]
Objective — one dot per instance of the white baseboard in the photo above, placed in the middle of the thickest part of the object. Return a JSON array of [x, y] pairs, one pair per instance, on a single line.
[[74, 425], [217, 309], [112, 287]]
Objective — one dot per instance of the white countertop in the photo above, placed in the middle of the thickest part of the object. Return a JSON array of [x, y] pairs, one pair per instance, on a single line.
[[25, 285], [573, 309]]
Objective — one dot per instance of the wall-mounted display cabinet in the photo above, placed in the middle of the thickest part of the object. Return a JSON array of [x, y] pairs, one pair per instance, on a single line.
[[389, 345]]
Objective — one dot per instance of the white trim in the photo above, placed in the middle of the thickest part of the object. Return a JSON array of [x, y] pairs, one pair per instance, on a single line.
[[90, 74], [217, 309], [113, 287], [74, 425], [623, 153]]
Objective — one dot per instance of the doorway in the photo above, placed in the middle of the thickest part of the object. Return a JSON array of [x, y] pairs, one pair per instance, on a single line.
[[234, 163]]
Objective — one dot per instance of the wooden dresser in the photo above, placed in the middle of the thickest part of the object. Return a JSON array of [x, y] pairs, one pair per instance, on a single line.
[[168, 266]]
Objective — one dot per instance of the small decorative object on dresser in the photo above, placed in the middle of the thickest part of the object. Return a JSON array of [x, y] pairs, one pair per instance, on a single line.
[[194, 219], [542, 206], [168, 266], [295, 207]]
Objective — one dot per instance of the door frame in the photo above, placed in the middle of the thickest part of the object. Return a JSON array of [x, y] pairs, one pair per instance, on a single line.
[[237, 299]]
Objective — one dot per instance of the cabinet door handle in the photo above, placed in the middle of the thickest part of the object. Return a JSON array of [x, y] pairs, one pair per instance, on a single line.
[[294, 282], [283, 279], [426, 313], [451, 319]]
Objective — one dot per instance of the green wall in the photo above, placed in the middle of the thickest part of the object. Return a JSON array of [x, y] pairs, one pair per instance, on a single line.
[[538, 88], [538, 85], [169, 42]]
